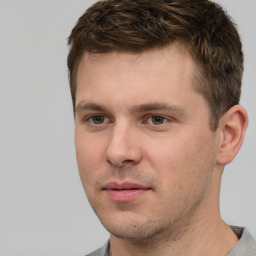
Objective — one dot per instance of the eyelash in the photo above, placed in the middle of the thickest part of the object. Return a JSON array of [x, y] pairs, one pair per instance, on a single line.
[[91, 120], [164, 119]]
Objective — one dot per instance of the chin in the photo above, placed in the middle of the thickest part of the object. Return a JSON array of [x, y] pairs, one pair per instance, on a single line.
[[134, 230]]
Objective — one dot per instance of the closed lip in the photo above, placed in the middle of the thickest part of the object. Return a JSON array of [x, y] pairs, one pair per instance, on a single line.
[[124, 186]]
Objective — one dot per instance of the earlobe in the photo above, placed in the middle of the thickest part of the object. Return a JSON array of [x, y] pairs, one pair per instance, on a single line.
[[232, 127]]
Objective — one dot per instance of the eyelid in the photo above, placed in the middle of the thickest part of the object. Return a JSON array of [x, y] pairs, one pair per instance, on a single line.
[[148, 116], [88, 117], [145, 119]]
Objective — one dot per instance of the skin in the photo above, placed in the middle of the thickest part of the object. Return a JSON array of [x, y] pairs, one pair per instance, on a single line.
[[138, 120]]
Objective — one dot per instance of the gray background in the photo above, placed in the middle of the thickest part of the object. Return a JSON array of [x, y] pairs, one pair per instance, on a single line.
[[43, 209]]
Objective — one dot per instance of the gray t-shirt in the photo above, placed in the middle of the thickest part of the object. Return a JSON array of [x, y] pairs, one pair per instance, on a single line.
[[246, 246]]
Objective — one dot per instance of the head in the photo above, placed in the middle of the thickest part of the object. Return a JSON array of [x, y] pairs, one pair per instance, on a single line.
[[155, 85], [200, 27]]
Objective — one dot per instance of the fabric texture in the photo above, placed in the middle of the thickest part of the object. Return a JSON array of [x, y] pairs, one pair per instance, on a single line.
[[103, 251], [246, 246]]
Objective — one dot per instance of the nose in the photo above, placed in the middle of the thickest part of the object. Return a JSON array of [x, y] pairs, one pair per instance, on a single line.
[[124, 147]]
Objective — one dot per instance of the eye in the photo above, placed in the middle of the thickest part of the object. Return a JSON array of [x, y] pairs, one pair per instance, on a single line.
[[97, 120], [157, 120]]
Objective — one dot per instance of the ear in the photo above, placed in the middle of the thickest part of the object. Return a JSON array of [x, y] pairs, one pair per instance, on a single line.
[[232, 127]]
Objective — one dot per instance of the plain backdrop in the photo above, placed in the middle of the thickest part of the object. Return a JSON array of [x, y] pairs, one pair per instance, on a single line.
[[43, 208]]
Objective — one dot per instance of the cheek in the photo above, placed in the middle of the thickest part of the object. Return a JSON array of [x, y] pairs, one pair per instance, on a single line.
[[182, 159], [184, 169], [170, 153], [89, 156]]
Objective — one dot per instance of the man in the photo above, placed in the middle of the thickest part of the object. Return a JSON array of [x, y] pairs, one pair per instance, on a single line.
[[155, 87]]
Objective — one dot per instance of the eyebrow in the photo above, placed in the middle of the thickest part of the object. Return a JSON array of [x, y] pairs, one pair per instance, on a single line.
[[82, 106], [157, 106]]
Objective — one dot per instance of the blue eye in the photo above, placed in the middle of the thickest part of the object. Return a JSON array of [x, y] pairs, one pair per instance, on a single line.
[[157, 120], [97, 119]]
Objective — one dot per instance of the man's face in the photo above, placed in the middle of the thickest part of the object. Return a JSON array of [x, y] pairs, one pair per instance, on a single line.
[[145, 151]]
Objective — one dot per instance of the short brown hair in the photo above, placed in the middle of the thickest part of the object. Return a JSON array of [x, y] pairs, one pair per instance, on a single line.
[[201, 26]]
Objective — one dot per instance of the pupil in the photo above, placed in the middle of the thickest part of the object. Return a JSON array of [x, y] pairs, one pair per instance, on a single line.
[[157, 119], [98, 119]]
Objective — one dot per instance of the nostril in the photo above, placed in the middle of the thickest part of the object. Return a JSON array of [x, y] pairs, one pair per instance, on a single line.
[[119, 164], [127, 161], [119, 155]]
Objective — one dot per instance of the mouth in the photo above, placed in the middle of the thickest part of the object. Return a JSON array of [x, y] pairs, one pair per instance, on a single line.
[[125, 192]]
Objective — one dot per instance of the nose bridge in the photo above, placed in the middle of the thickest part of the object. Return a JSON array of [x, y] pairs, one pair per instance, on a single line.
[[122, 145]]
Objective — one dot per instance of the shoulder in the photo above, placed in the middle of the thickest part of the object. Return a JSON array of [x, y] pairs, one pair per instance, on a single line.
[[246, 246], [102, 251]]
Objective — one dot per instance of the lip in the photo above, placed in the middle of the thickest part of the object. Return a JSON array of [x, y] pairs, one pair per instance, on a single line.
[[125, 192]]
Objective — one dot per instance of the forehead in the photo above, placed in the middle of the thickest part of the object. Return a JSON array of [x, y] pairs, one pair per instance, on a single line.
[[152, 75], [154, 61], [172, 50]]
